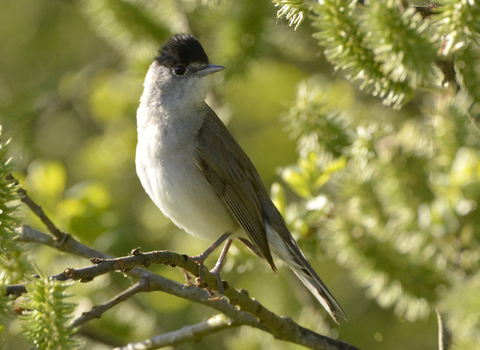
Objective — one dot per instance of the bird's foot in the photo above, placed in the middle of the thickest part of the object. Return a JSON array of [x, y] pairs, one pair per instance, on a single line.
[[199, 259], [188, 278], [199, 282], [216, 273]]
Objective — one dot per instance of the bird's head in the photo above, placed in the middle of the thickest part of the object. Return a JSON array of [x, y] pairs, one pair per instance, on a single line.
[[179, 74]]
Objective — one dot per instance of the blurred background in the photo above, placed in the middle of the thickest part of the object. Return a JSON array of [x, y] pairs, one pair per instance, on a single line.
[[383, 201]]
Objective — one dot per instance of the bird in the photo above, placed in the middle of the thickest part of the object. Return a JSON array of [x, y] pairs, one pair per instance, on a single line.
[[199, 176]]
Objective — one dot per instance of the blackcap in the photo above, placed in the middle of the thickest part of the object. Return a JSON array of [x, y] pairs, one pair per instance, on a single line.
[[198, 175]]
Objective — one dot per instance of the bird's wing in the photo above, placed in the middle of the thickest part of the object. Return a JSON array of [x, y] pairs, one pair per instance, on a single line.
[[234, 179]]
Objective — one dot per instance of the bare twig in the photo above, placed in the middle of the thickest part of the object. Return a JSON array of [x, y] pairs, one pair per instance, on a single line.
[[38, 211], [281, 327], [188, 333], [160, 283], [97, 311], [66, 245], [239, 308]]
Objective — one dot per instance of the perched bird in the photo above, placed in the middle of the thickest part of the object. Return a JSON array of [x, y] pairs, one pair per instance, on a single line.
[[198, 175]]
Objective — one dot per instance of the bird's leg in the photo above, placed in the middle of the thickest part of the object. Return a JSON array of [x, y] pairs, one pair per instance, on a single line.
[[218, 266], [201, 257]]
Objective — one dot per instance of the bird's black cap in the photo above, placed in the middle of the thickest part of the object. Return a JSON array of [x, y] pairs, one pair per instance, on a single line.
[[181, 48]]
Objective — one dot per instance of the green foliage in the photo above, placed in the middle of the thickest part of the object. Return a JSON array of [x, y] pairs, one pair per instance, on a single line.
[[460, 23], [133, 27], [402, 42], [406, 200], [79, 210], [12, 261], [344, 32], [4, 306], [468, 66], [462, 306], [294, 11], [46, 314], [391, 49], [8, 194]]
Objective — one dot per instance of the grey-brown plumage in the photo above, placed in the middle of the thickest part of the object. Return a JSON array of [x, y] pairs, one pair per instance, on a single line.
[[234, 179], [198, 175]]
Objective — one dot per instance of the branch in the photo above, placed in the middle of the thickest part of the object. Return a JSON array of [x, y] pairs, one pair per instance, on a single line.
[[239, 307], [188, 333], [97, 311], [156, 282], [67, 244], [37, 210]]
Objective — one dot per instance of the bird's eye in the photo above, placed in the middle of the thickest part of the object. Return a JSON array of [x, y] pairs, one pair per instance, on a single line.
[[179, 70]]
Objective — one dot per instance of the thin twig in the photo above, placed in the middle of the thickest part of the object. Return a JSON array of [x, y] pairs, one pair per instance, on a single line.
[[195, 332], [239, 306], [156, 282], [28, 234], [66, 245], [97, 311], [38, 211]]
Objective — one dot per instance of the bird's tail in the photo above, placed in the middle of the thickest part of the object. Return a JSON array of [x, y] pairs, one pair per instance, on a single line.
[[284, 247], [321, 292]]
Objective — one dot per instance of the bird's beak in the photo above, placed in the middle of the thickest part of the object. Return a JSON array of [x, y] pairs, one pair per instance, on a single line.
[[209, 69]]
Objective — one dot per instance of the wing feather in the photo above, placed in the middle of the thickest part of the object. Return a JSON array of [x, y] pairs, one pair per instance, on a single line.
[[234, 179]]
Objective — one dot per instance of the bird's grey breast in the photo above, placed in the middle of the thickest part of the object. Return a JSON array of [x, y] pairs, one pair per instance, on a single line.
[[167, 168], [166, 147]]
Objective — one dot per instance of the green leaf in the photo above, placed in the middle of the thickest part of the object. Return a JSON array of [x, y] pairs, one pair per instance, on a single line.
[[296, 182]]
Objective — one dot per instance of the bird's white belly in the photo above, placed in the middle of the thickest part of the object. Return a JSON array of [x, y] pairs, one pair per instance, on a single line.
[[179, 189]]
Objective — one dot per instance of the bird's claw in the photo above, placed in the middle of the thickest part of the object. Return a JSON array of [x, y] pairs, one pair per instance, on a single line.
[[216, 272], [214, 295], [188, 278]]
